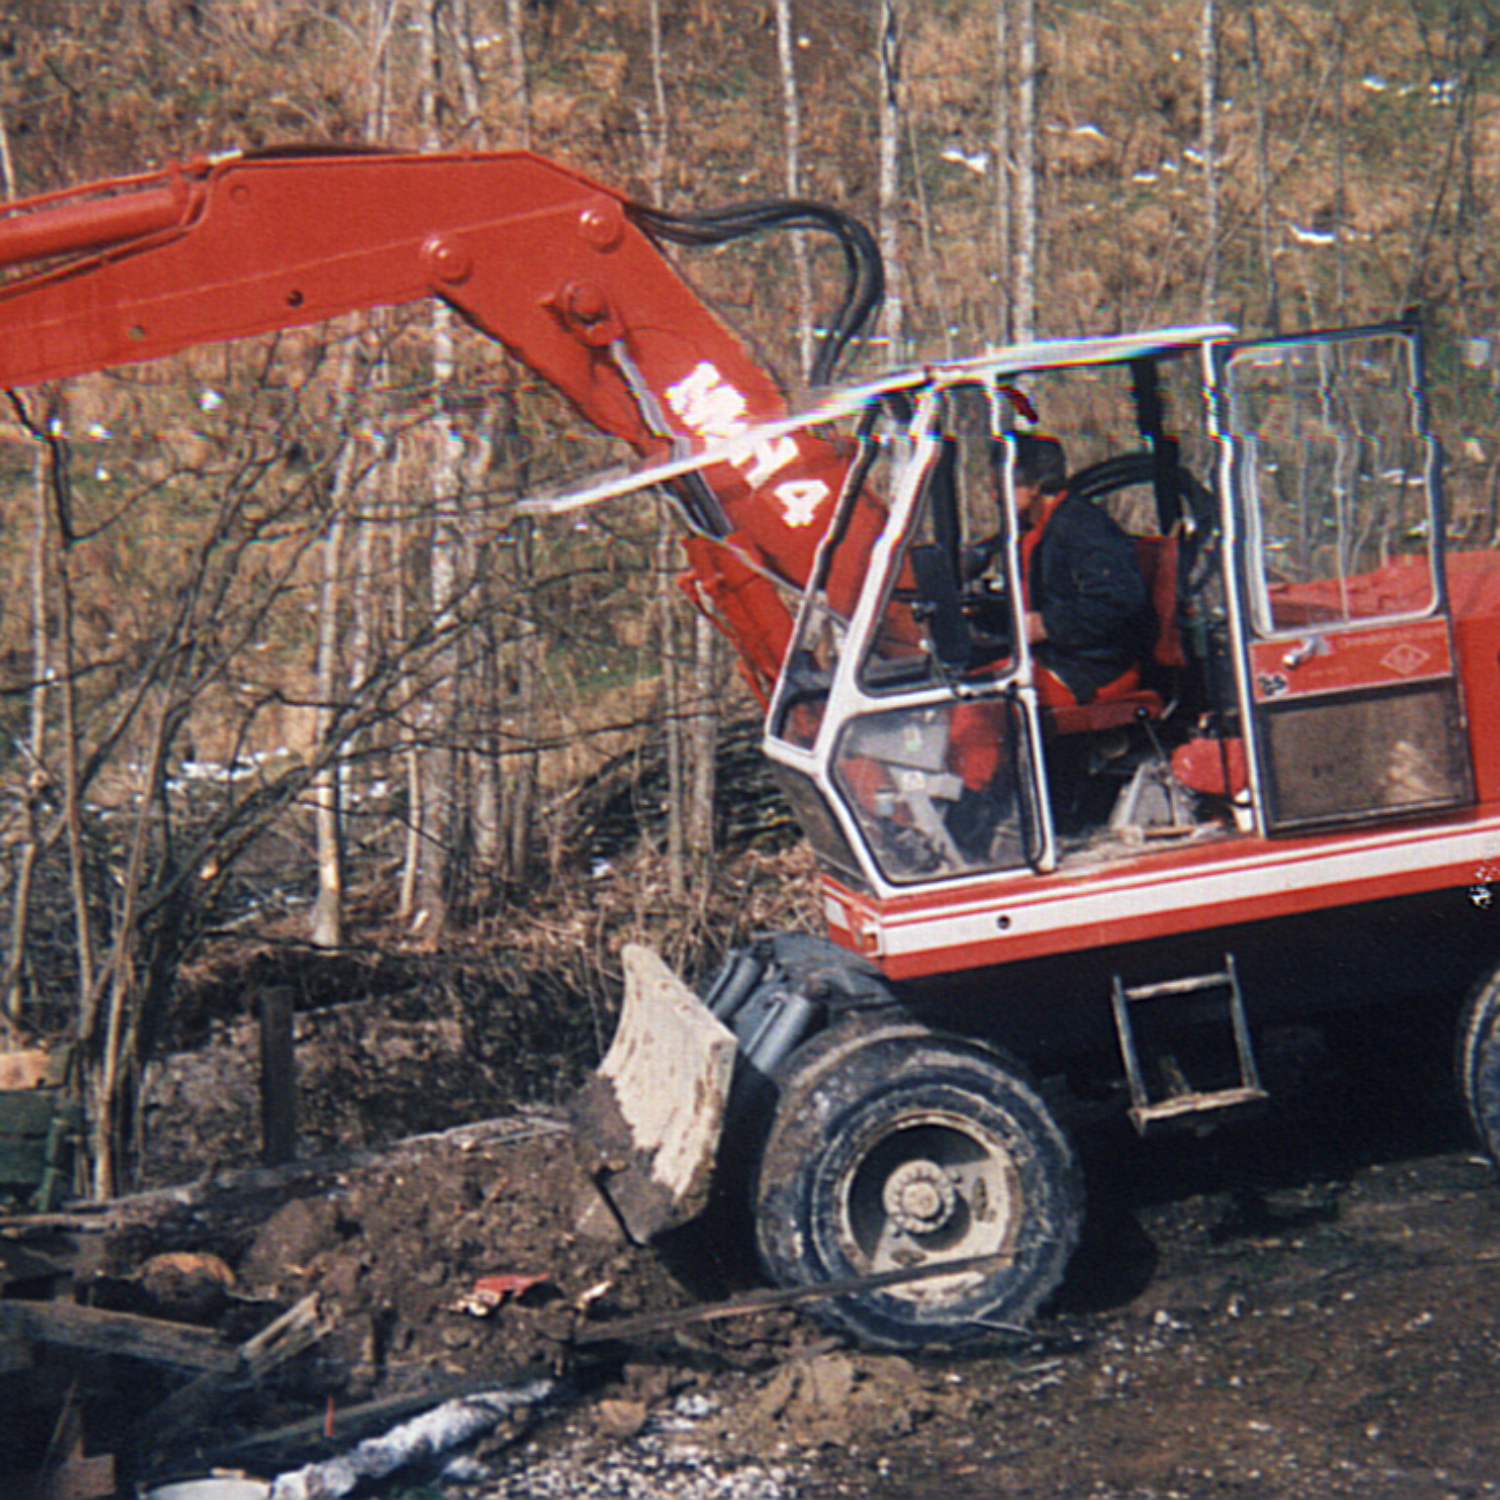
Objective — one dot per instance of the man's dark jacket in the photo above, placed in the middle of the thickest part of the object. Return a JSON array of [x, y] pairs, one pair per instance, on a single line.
[[1084, 581]]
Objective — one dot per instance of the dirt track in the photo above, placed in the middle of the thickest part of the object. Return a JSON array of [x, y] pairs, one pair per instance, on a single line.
[[1308, 1306], [1322, 1339]]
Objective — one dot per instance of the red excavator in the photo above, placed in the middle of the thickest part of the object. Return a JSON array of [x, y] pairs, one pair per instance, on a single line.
[[1288, 804]]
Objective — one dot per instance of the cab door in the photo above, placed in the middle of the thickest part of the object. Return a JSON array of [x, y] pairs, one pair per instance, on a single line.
[[1339, 613]]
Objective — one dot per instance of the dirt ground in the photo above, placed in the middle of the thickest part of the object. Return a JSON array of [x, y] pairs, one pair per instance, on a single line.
[[1307, 1306]]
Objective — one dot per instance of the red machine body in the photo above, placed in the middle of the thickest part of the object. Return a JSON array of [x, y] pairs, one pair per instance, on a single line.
[[1293, 806]]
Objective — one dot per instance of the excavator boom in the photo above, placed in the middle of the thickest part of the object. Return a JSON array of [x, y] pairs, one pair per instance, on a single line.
[[553, 266]]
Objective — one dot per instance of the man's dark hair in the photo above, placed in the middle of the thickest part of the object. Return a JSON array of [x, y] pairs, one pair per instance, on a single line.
[[1040, 461]]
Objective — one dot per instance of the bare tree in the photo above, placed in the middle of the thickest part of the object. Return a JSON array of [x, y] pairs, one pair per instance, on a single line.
[[325, 928], [517, 79], [888, 60], [60, 490], [523, 780], [1262, 172], [791, 113], [1208, 148], [326, 923], [7, 161], [1028, 169], [1005, 173], [36, 749], [1340, 166], [654, 122], [656, 132], [436, 811], [381, 20], [703, 741]]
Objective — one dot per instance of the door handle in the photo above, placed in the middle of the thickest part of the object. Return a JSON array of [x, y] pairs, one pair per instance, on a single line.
[[1301, 652]]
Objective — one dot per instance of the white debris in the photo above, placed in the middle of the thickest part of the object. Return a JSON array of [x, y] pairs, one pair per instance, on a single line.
[[444, 1427]]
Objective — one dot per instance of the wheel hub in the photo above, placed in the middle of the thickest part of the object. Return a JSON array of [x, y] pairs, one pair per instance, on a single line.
[[919, 1197]]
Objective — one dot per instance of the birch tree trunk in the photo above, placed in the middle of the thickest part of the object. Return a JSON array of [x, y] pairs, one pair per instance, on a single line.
[[1208, 146], [791, 112], [382, 17], [436, 812], [673, 715], [326, 927], [439, 804], [672, 705], [411, 852], [509, 773], [480, 710], [1027, 172], [372, 499], [655, 132], [477, 709], [1005, 175], [1340, 169], [888, 58], [517, 79], [703, 742], [467, 66], [521, 784], [1263, 173]]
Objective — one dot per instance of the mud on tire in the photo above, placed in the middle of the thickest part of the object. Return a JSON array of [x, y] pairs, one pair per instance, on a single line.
[[894, 1147]]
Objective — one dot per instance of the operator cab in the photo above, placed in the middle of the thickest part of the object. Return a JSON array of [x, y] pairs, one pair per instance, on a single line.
[[1297, 669]]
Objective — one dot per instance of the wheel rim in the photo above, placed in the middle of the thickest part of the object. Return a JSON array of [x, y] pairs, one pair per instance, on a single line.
[[928, 1187]]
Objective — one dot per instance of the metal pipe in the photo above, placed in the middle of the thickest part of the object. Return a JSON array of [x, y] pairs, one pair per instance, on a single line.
[[94, 225]]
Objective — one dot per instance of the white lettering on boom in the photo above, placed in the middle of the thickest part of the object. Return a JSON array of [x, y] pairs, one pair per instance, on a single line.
[[709, 407]]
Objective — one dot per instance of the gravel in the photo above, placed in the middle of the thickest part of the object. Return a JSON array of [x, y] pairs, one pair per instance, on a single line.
[[663, 1461]]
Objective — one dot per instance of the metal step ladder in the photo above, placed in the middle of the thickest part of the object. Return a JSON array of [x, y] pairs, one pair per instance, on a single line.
[[1178, 1100]]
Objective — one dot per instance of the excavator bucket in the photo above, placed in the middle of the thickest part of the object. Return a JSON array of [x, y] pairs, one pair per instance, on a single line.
[[648, 1121]]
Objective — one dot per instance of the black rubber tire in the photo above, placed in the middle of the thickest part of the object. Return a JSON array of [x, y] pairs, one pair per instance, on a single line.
[[1479, 1063], [875, 1127]]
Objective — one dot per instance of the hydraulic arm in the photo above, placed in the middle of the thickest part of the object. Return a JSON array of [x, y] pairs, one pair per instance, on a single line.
[[555, 267]]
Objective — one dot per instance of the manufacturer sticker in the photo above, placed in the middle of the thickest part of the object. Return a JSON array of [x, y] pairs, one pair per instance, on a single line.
[[1405, 659]]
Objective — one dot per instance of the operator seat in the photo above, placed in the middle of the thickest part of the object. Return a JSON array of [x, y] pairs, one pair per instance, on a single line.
[[1126, 700]]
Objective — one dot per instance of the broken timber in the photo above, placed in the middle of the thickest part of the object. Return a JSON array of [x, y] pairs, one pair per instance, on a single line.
[[154, 1340], [287, 1336]]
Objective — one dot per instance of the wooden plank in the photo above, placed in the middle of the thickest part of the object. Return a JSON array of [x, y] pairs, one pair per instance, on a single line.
[[31, 1122], [23, 1070], [157, 1342], [193, 1405], [27, 1111]]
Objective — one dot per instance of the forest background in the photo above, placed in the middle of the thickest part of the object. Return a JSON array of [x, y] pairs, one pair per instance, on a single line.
[[276, 651]]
